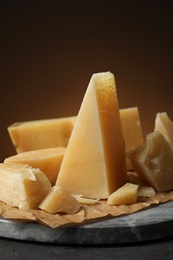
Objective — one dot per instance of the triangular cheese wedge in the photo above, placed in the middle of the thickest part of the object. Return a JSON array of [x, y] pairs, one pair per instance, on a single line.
[[94, 163]]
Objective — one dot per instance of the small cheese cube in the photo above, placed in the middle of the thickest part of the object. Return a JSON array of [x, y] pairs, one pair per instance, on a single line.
[[40, 134], [127, 194], [47, 160], [94, 164], [59, 201], [154, 162], [22, 186]]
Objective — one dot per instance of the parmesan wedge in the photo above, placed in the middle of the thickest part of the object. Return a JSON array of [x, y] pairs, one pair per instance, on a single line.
[[94, 164]]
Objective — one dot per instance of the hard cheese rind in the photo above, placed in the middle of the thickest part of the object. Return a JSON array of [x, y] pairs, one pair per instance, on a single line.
[[47, 160], [94, 163], [22, 186]]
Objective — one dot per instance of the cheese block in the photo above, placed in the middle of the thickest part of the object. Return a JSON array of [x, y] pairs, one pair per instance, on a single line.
[[94, 164], [132, 130], [40, 134], [127, 194], [47, 160], [22, 186], [59, 201], [164, 125], [153, 161]]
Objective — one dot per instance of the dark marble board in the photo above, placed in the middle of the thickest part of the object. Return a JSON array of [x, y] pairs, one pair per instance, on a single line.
[[152, 223]]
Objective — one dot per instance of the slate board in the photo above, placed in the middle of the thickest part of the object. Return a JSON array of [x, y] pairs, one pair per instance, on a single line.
[[152, 223]]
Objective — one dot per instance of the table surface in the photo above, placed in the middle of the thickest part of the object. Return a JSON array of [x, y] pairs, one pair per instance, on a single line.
[[155, 247], [23, 250]]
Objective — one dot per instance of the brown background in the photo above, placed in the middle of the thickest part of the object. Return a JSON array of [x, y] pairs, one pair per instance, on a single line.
[[50, 49]]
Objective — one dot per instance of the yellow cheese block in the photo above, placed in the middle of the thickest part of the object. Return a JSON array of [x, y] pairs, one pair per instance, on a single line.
[[127, 194], [132, 130], [59, 201], [22, 186], [94, 164], [47, 160], [153, 161], [164, 125], [40, 134]]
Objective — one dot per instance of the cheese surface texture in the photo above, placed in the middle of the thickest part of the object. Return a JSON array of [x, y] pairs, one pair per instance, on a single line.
[[132, 130], [94, 164], [47, 160], [22, 186], [40, 134], [154, 162]]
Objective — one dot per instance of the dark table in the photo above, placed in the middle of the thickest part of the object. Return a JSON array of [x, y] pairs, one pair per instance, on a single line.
[[23, 250]]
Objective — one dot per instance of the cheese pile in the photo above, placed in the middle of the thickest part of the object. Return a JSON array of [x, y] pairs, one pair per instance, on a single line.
[[98, 154]]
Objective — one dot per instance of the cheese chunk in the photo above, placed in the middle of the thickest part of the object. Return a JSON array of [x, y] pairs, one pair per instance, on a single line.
[[40, 134], [127, 194], [154, 162], [94, 164], [164, 125], [144, 191], [132, 130], [47, 160], [59, 201], [22, 186]]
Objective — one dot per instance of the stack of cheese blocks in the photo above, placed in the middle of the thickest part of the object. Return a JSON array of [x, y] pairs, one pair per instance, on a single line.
[[61, 163]]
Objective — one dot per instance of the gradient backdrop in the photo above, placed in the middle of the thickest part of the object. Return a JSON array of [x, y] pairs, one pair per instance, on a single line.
[[50, 49]]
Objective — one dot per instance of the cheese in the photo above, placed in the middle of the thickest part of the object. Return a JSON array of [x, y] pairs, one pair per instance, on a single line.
[[164, 125], [127, 194], [144, 191], [87, 201], [94, 163], [59, 201], [47, 160], [132, 130], [153, 161], [40, 134], [22, 186]]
